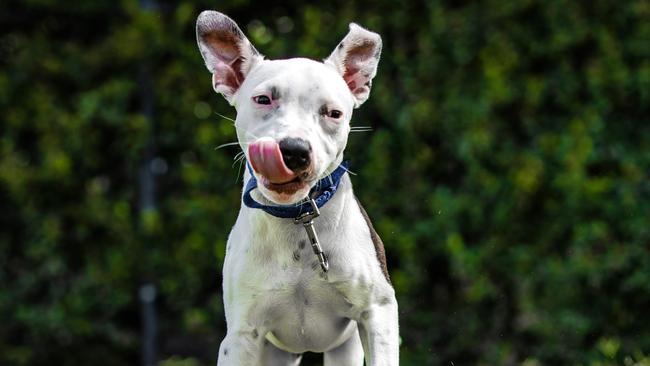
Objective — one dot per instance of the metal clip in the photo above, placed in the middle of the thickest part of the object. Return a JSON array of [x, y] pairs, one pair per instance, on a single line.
[[307, 221]]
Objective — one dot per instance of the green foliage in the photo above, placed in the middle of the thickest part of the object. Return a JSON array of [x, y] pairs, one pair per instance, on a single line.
[[507, 174]]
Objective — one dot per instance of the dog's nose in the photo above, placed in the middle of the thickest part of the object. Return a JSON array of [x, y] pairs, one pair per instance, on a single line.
[[296, 153]]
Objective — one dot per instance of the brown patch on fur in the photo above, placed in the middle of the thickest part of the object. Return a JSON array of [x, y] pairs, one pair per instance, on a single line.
[[376, 240]]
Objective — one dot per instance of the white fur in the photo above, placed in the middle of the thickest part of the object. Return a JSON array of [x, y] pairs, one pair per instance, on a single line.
[[278, 301]]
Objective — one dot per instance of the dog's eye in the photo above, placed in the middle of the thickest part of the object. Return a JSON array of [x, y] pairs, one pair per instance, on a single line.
[[262, 99], [335, 114]]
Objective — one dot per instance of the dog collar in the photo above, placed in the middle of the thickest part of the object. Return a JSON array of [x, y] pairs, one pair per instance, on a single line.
[[324, 190]]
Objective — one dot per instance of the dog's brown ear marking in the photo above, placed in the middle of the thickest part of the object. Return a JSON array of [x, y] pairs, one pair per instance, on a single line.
[[227, 53], [376, 240], [356, 59]]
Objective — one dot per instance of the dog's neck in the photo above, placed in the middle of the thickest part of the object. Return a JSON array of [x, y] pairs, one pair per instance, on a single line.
[[331, 212]]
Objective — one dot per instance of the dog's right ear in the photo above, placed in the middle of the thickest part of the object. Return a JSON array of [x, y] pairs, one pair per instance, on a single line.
[[227, 53]]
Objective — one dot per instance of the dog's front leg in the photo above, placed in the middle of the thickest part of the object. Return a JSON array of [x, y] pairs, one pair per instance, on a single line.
[[379, 330], [241, 348]]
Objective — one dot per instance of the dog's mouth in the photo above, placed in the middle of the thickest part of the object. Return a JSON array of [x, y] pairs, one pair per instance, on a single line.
[[288, 188], [267, 161]]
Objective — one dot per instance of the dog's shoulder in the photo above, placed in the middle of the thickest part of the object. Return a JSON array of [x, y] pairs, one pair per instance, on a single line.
[[376, 240]]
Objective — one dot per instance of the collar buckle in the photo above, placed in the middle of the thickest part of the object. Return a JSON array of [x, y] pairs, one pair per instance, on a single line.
[[308, 216]]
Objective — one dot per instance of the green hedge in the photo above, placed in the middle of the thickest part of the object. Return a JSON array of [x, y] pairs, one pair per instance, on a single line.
[[508, 174]]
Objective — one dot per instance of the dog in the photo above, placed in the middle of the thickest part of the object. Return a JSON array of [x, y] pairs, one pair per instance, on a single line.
[[304, 269]]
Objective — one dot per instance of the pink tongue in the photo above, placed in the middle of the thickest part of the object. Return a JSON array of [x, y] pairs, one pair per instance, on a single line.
[[266, 158]]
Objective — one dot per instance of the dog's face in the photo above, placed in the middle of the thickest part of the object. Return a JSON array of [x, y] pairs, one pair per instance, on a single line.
[[293, 116], [302, 108]]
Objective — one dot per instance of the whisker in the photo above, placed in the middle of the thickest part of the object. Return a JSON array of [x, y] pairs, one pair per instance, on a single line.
[[238, 155], [224, 117], [241, 163], [328, 174], [226, 144], [349, 171], [240, 159]]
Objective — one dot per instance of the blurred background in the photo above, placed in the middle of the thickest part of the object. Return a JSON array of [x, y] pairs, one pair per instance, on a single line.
[[507, 172]]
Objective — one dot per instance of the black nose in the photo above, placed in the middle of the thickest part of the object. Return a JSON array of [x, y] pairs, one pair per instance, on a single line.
[[296, 153]]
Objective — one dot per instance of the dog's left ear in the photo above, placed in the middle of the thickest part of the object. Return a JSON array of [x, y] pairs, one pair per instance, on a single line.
[[356, 59]]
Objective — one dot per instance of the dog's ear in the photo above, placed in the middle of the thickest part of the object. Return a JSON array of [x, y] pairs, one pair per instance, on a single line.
[[356, 59], [227, 53]]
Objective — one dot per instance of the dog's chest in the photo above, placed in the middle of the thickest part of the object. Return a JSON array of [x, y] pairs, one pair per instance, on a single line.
[[289, 274], [303, 307], [298, 305]]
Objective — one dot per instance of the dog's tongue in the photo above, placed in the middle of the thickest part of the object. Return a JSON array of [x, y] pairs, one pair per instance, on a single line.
[[266, 158]]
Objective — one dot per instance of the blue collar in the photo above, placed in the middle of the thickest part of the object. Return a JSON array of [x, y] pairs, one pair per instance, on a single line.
[[325, 188]]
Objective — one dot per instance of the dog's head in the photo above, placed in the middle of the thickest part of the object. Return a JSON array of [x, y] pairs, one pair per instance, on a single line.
[[293, 115]]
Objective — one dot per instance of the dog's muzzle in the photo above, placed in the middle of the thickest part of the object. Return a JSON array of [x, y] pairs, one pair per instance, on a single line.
[[267, 160]]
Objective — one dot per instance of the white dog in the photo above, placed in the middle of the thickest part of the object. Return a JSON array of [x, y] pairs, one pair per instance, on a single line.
[[304, 268]]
